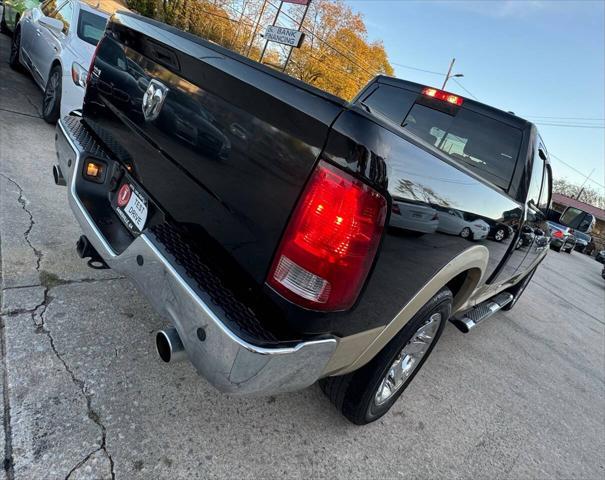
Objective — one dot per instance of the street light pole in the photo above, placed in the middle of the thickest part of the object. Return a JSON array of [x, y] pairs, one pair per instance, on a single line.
[[449, 74]]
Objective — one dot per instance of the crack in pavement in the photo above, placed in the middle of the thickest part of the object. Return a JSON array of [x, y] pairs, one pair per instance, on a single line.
[[8, 110], [34, 106], [23, 203], [49, 281], [81, 384]]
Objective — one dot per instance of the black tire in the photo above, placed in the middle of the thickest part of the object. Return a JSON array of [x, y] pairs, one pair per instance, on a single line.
[[355, 394], [518, 290], [3, 26], [51, 100], [499, 234], [466, 233], [13, 58], [556, 249], [569, 251]]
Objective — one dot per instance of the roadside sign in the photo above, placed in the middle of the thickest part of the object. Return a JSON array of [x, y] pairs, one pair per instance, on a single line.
[[297, 2], [286, 36]]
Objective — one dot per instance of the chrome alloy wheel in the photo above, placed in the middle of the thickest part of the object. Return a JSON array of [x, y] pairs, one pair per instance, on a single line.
[[408, 359], [50, 94], [499, 236]]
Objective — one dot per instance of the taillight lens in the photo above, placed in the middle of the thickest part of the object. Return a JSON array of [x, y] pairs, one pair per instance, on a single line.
[[557, 234], [330, 242]]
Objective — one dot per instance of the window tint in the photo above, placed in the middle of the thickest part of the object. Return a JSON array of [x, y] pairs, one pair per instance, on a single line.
[[487, 146], [91, 27], [64, 14], [544, 202], [535, 182], [394, 103]]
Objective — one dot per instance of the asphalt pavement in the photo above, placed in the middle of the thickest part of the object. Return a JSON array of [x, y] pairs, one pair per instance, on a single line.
[[84, 396]]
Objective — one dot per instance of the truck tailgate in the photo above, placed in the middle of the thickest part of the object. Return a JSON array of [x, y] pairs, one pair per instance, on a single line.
[[231, 145]]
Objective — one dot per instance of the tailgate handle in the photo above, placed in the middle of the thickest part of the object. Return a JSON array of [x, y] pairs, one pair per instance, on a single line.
[[164, 55]]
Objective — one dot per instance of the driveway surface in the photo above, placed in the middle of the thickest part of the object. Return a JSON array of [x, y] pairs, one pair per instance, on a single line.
[[84, 395]]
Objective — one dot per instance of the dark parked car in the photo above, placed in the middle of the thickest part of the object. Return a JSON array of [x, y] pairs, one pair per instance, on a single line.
[[600, 257], [251, 209], [582, 241], [562, 237]]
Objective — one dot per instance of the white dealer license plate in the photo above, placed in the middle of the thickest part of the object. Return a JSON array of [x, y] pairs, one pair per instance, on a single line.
[[132, 206]]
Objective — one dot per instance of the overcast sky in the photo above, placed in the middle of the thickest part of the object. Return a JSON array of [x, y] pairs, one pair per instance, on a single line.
[[543, 60]]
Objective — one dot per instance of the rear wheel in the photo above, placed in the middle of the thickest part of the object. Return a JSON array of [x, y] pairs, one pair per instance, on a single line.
[[51, 101], [367, 394]]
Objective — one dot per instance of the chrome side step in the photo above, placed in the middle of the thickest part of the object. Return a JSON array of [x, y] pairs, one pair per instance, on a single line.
[[475, 316]]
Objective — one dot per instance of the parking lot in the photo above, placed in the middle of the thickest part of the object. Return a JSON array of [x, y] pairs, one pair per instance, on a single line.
[[85, 396]]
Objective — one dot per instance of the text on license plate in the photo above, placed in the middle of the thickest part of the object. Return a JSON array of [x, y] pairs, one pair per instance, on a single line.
[[135, 209]]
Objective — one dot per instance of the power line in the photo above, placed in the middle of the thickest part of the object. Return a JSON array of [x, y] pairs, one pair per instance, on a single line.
[[417, 69], [325, 42], [465, 89], [576, 170]]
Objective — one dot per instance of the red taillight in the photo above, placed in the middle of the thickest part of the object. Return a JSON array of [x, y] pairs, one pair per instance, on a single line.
[[92, 61], [330, 242], [557, 234], [441, 95]]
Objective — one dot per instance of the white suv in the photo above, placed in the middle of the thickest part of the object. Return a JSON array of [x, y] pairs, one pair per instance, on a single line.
[[55, 42]]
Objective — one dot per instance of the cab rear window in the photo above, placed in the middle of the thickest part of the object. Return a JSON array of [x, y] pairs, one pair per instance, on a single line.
[[488, 147]]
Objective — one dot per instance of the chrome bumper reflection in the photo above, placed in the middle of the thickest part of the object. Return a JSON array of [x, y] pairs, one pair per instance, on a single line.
[[228, 362]]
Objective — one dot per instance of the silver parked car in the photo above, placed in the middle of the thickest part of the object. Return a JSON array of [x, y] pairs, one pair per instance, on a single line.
[[55, 42]]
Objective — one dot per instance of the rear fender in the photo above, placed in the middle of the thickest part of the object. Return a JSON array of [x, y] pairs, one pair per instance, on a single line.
[[472, 261]]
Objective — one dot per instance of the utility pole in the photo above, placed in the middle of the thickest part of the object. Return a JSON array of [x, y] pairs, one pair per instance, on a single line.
[[300, 27], [262, 11], [262, 54], [582, 187], [449, 74]]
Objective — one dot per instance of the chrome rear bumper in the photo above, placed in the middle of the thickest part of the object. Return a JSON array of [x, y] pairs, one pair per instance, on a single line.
[[227, 361]]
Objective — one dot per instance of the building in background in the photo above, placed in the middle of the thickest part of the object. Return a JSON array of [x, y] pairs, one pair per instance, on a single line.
[[561, 202]]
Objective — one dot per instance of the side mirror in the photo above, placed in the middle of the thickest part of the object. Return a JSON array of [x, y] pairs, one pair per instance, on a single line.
[[578, 219], [51, 23]]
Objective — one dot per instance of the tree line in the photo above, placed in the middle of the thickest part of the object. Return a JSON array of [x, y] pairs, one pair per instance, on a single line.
[[585, 194], [336, 55]]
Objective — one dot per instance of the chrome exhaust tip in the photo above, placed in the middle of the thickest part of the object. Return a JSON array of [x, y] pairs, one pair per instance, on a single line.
[[169, 346], [58, 176]]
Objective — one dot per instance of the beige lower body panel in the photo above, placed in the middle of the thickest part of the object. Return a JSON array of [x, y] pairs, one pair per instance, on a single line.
[[355, 351]]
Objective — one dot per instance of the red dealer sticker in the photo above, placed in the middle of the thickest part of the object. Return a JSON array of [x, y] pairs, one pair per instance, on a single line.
[[124, 195]]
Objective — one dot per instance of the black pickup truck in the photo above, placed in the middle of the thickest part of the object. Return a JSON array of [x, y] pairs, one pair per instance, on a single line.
[[288, 236]]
